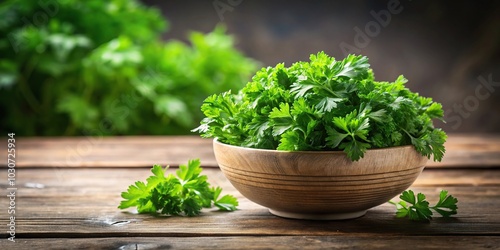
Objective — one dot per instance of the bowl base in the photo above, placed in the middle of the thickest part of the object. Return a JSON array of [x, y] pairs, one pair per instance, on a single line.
[[332, 216]]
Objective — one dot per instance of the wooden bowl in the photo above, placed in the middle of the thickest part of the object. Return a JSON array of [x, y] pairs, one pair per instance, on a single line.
[[319, 185]]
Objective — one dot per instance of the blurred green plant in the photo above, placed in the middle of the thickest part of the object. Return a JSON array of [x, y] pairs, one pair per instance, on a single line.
[[70, 67]]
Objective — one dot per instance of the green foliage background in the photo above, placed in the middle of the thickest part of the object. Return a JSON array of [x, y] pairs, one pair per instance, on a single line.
[[96, 67]]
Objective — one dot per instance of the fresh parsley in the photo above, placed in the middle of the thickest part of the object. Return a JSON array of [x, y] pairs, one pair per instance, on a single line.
[[185, 194], [324, 104], [417, 207]]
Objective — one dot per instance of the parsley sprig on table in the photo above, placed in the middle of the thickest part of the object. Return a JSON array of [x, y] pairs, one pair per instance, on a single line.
[[187, 193], [417, 207], [324, 104]]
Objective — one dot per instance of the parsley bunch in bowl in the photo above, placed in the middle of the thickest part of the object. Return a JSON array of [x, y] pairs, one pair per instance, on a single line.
[[324, 105]]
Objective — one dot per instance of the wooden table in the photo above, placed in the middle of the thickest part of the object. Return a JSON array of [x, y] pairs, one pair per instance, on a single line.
[[68, 190]]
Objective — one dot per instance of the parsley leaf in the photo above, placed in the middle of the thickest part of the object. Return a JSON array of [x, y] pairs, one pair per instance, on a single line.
[[187, 193], [324, 104], [418, 209], [226, 202], [138, 193], [447, 204]]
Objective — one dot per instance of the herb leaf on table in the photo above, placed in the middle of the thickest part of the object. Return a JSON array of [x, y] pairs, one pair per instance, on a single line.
[[417, 207], [185, 194]]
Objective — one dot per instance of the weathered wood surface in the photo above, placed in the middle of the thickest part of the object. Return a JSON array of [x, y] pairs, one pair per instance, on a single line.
[[71, 207], [129, 151], [271, 242], [82, 203], [142, 151]]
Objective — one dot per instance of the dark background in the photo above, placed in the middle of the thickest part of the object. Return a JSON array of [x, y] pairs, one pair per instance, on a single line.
[[444, 48]]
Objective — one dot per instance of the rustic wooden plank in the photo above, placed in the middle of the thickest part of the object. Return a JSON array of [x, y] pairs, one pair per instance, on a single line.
[[273, 242], [116, 179], [87, 216], [82, 203], [466, 150], [126, 151], [463, 150]]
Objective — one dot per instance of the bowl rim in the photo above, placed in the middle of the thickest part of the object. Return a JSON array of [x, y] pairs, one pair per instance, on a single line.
[[216, 141]]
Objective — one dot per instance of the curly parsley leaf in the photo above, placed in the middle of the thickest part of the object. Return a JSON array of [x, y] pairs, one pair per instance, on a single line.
[[187, 193], [281, 119], [138, 193], [356, 129], [430, 144], [226, 202], [417, 207], [447, 205]]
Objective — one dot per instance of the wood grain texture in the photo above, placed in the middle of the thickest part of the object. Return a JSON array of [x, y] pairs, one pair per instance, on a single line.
[[82, 203], [463, 150], [126, 151], [271, 242]]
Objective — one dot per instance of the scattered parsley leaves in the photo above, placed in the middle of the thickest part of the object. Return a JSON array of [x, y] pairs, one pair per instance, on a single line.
[[185, 194], [417, 208], [324, 104]]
